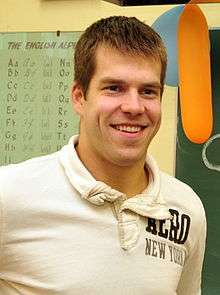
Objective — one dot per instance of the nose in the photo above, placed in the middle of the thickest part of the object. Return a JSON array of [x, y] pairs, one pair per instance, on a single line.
[[133, 104]]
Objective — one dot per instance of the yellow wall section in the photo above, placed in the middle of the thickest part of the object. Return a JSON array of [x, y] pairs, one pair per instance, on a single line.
[[76, 15]]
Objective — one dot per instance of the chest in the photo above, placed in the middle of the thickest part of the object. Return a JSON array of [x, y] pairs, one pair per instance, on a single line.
[[67, 254]]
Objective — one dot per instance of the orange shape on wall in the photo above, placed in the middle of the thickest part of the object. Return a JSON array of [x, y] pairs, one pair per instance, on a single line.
[[195, 74]]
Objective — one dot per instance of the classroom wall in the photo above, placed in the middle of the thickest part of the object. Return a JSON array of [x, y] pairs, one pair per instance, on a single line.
[[76, 15]]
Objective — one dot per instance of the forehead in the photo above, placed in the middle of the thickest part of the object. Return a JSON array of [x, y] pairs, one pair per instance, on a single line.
[[111, 62]]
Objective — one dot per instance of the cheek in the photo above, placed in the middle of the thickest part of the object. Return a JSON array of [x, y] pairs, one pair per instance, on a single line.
[[108, 104], [96, 112], [107, 108], [154, 110]]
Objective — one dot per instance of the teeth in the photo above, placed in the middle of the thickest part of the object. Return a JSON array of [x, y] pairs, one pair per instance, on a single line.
[[131, 129]]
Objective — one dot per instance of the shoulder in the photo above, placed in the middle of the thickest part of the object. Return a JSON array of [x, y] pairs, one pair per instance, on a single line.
[[28, 164], [177, 189], [186, 209], [181, 197], [176, 193], [22, 174]]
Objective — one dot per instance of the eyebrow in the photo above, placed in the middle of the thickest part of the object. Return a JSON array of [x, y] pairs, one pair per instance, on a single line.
[[110, 80], [153, 85]]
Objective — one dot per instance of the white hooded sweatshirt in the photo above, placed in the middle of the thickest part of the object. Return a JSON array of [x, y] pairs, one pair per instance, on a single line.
[[64, 233]]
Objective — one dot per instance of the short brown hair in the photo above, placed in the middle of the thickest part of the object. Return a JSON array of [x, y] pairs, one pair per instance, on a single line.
[[126, 34]]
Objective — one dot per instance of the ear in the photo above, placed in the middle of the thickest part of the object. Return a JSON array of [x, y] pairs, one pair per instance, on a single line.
[[78, 97]]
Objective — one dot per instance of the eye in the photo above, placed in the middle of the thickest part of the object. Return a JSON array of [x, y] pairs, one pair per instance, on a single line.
[[113, 88], [147, 91], [151, 93]]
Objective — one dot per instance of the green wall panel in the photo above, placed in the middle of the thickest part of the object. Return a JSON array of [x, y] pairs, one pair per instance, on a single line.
[[199, 166], [36, 73]]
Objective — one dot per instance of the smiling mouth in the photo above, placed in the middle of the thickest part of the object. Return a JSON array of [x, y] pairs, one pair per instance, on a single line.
[[128, 128]]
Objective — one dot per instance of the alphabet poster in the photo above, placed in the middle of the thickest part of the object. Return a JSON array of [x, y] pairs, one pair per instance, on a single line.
[[35, 87]]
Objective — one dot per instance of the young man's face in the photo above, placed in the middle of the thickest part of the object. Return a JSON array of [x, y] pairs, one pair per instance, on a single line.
[[121, 112]]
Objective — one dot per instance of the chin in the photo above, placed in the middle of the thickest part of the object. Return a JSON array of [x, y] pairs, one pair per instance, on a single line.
[[128, 159]]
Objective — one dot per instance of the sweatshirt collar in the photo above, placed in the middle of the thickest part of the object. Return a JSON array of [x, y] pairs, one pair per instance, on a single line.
[[149, 203]]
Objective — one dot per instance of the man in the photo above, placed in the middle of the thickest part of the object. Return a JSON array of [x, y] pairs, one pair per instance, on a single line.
[[99, 217]]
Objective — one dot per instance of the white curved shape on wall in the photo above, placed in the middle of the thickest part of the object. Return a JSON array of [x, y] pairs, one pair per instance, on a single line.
[[207, 163]]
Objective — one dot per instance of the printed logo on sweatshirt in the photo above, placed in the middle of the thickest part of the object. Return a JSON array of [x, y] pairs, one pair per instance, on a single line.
[[175, 230]]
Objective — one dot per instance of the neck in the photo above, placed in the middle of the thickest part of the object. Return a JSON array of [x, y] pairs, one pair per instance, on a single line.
[[130, 180]]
